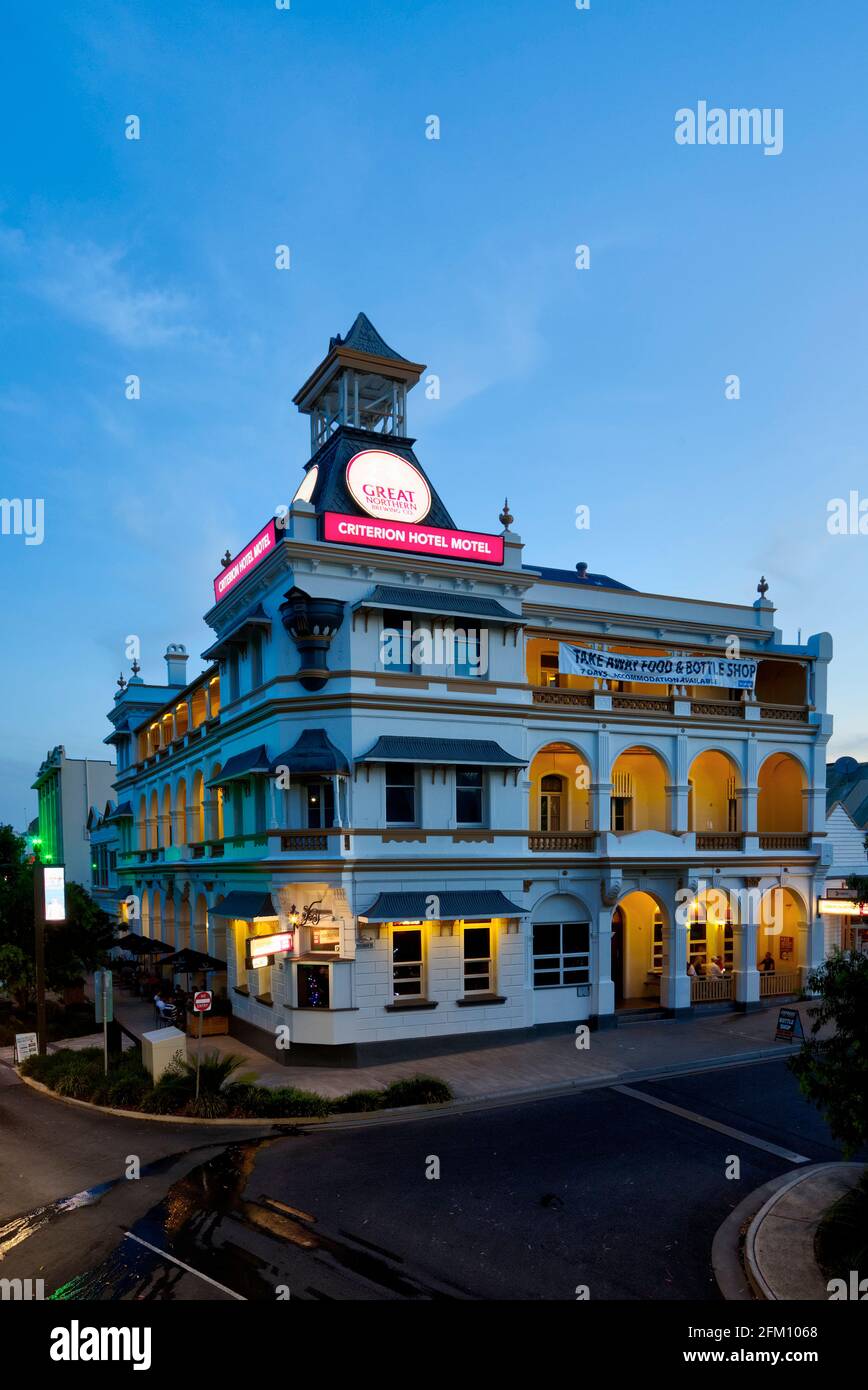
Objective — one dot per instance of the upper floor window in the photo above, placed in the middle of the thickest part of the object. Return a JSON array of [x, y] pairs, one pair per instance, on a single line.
[[469, 657], [396, 641], [469, 789], [320, 797], [548, 668], [400, 794], [256, 661]]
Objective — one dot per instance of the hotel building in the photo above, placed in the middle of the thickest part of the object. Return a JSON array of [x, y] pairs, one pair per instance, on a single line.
[[428, 789]]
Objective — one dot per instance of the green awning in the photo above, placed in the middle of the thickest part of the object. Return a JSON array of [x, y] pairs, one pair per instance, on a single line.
[[472, 905]]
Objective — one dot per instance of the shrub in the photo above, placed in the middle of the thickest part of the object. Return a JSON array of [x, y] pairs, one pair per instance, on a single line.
[[417, 1090], [211, 1105], [163, 1100], [358, 1100], [288, 1101]]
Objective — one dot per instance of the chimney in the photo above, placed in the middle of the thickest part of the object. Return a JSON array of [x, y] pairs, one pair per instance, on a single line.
[[176, 664]]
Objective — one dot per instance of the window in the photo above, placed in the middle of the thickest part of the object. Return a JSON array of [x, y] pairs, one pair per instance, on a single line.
[[400, 794], [320, 805], [728, 947], [620, 813], [561, 954], [233, 675], [259, 794], [548, 668], [551, 802], [313, 986], [657, 944], [468, 795], [697, 950], [478, 964], [407, 964], [466, 652], [396, 641], [256, 660]]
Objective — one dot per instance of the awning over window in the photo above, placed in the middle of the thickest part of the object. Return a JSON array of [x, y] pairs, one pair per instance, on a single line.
[[255, 762], [246, 906], [254, 618], [472, 906], [122, 812], [312, 753], [439, 602], [478, 752]]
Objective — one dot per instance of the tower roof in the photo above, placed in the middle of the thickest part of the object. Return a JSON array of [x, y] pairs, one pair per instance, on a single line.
[[363, 337]]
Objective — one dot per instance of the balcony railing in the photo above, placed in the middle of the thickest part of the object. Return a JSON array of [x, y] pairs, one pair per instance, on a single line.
[[717, 709], [785, 841], [642, 704], [306, 842], [558, 841], [785, 982], [553, 695], [723, 840], [786, 714], [705, 989]]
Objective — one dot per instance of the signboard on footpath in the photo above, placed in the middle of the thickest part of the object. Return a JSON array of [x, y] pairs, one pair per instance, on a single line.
[[26, 1045], [789, 1027]]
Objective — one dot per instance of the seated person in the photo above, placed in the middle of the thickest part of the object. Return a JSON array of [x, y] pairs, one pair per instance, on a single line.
[[716, 970], [767, 964]]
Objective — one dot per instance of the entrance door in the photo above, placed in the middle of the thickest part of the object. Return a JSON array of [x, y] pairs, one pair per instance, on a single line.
[[618, 955]]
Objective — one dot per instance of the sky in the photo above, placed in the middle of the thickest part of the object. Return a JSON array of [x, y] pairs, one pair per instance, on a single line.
[[602, 387]]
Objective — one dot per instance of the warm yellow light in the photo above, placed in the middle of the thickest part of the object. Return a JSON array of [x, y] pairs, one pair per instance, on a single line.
[[841, 907]]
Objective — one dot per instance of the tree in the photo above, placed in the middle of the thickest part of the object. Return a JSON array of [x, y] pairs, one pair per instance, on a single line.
[[72, 948], [833, 1071]]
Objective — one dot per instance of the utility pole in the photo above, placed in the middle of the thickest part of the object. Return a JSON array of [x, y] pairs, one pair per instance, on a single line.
[[39, 952]]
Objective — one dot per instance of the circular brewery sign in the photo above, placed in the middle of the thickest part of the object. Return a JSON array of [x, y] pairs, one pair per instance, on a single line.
[[388, 487]]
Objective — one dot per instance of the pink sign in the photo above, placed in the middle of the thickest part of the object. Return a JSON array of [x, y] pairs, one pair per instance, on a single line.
[[246, 560], [419, 540]]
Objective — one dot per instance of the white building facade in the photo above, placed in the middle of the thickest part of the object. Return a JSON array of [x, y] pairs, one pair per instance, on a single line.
[[399, 818]]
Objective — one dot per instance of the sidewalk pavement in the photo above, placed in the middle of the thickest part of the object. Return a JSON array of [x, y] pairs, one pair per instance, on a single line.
[[539, 1064]]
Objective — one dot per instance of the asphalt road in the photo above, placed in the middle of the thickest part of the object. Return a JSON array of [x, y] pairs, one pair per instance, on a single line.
[[600, 1188]]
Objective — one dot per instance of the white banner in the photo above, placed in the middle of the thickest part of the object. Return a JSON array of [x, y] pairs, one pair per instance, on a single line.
[[657, 670]]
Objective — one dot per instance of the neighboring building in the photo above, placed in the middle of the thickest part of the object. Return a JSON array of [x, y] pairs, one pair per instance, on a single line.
[[104, 836], [846, 930], [455, 835], [67, 788], [847, 783]]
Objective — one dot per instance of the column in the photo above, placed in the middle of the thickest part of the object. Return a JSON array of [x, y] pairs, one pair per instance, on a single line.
[[812, 937], [678, 794], [602, 984], [210, 817], [675, 994], [745, 934]]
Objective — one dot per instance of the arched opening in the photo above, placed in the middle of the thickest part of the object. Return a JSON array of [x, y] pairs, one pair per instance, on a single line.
[[714, 782], [781, 941], [780, 803], [560, 780], [142, 824], [711, 946], [146, 913], [639, 778], [198, 811], [153, 822], [180, 822], [200, 924], [560, 958], [197, 704], [166, 824], [637, 951], [214, 817], [169, 921], [184, 924]]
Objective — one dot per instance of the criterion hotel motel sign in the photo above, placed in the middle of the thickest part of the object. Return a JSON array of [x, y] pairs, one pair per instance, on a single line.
[[397, 498]]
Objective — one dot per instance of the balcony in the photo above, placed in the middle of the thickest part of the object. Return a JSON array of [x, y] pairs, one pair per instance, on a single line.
[[776, 842], [562, 841], [624, 702], [724, 841], [553, 695]]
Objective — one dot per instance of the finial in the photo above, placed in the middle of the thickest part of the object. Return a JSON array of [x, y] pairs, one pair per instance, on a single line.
[[121, 682], [762, 588], [227, 560], [135, 668], [506, 516]]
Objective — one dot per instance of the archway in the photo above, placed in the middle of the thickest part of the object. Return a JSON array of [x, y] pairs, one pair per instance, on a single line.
[[560, 958], [637, 950], [142, 824], [167, 835], [154, 822], [639, 778], [780, 803], [714, 782], [560, 778], [146, 912], [200, 924], [180, 825], [781, 939]]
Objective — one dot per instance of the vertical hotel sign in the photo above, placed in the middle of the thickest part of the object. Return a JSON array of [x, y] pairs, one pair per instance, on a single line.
[[246, 560]]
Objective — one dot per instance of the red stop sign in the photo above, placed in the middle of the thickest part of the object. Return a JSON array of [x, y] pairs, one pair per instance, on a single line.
[[202, 1001]]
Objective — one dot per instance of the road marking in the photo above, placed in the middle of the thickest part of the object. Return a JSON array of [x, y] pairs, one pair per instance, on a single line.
[[189, 1268], [698, 1119]]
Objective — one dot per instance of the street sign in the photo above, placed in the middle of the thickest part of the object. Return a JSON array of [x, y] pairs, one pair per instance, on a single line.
[[789, 1027], [102, 996], [54, 889], [26, 1045], [202, 1001]]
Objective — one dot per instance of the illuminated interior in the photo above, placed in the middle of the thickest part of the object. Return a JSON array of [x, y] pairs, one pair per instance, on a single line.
[[638, 800], [560, 797], [780, 804]]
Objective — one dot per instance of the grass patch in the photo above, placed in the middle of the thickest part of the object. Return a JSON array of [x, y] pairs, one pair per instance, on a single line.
[[224, 1092]]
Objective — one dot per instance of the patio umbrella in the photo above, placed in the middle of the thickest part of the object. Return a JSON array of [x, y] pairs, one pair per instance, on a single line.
[[189, 960]]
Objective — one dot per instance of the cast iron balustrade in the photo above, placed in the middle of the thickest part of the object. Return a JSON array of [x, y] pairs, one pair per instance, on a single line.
[[778, 841], [553, 841]]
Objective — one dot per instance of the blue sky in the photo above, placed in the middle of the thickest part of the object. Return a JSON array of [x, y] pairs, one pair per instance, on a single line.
[[561, 387]]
